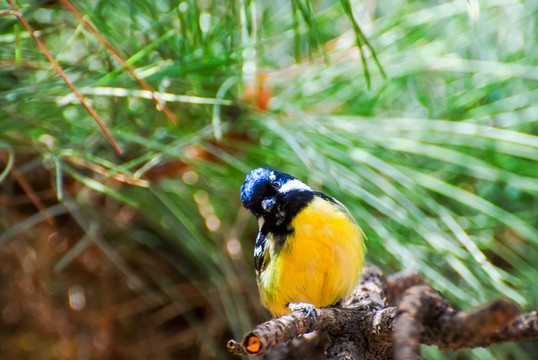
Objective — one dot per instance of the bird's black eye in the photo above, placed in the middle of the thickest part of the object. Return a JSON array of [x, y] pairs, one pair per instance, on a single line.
[[275, 184]]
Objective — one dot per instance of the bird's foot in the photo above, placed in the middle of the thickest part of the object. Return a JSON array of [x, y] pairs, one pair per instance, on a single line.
[[307, 308]]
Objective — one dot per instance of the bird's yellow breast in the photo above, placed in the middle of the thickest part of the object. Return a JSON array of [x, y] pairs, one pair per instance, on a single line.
[[319, 262]]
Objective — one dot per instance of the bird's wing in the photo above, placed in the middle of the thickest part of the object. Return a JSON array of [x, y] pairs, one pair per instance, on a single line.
[[260, 255]]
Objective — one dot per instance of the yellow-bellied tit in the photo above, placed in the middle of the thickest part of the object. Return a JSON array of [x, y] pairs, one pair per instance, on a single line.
[[309, 248]]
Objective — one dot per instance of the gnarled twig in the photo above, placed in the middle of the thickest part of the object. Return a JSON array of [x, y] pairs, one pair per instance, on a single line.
[[365, 328]]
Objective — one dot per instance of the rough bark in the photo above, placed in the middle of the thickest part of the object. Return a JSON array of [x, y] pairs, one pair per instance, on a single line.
[[369, 326]]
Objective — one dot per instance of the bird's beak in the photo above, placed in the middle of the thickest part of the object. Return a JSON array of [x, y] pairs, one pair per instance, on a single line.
[[261, 221], [267, 204]]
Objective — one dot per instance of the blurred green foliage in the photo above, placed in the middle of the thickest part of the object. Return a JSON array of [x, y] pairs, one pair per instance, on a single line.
[[437, 162]]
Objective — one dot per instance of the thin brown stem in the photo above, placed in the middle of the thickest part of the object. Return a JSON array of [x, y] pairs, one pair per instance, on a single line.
[[60, 72], [36, 200], [115, 53]]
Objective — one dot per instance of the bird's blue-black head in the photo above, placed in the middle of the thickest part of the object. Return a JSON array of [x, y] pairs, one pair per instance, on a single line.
[[262, 187]]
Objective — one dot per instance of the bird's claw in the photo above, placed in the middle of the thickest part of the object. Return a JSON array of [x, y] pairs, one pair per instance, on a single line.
[[304, 307]]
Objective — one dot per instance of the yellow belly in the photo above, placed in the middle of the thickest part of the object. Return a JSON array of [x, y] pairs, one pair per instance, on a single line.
[[319, 262]]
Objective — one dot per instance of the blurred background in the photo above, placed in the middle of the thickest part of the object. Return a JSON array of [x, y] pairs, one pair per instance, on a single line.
[[427, 134]]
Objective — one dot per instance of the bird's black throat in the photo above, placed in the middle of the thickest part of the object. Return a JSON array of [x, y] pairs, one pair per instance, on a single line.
[[278, 221]]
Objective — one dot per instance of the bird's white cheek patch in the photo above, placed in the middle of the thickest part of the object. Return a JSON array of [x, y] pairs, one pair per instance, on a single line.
[[293, 185]]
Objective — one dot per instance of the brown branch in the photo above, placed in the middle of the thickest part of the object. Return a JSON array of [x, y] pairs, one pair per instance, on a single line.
[[8, 12], [371, 289], [357, 317], [425, 317], [335, 321], [410, 317], [60, 72], [523, 328], [106, 172], [30, 192], [401, 281], [115, 53], [366, 329]]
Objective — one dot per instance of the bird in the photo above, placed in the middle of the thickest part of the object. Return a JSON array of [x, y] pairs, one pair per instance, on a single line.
[[309, 250]]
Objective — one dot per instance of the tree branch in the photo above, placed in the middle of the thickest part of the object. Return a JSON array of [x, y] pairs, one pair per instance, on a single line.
[[366, 328]]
